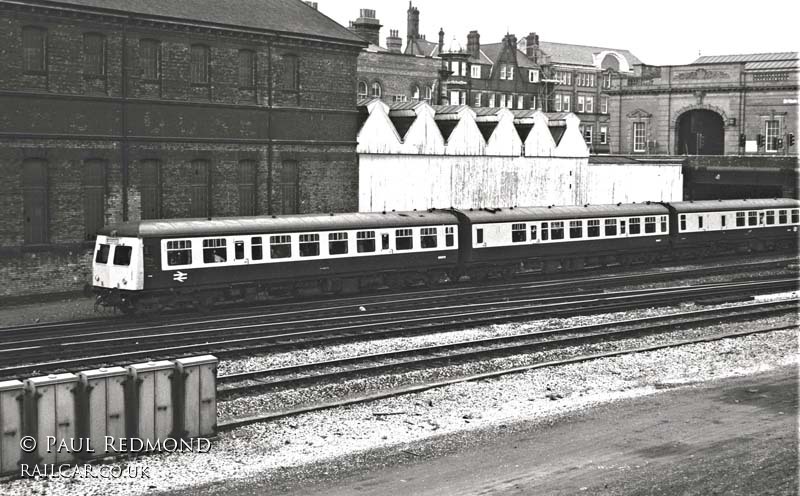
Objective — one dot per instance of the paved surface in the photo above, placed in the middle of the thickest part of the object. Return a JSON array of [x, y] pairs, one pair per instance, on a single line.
[[732, 437]]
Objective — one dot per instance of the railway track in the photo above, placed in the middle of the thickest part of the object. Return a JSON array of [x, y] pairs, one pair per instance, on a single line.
[[228, 392], [25, 357]]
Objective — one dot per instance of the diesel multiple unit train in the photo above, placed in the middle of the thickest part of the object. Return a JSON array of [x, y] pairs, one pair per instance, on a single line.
[[152, 264]]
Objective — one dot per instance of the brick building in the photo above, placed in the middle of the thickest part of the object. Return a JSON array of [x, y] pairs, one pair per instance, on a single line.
[[516, 74], [117, 110]]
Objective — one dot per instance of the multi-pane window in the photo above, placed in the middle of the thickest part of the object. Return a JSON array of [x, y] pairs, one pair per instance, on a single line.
[[34, 49], [586, 79], [603, 104], [247, 187], [682, 220], [291, 79], [199, 64], [752, 218], [649, 224], [520, 101], [589, 104], [337, 243], [634, 225], [199, 185], [603, 135], [477, 101], [399, 98], [247, 69], [475, 71], [503, 71], [280, 246], [503, 100], [428, 237], [34, 199], [556, 230], [639, 137], [611, 227], [795, 216], [771, 130], [534, 103], [415, 92], [215, 250], [309, 245], [403, 239], [533, 76], [575, 229], [289, 186], [518, 233], [580, 106], [365, 241], [150, 189], [256, 248], [150, 59], [510, 72], [428, 93], [565, 106], [664, 226], [564, 77], [588, 131], [94, 197], [449, 236], [593, 228], [557, 102], [607, 80], [533, 232], [491, 100], [770, 217], [782, 218], [179, 252], [94, 54], [375, 90], [740, 219], [362, 89]]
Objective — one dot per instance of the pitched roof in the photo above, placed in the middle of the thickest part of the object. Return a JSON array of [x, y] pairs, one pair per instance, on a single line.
[[776, 64], [492, 53], [422, 47], [285, 16], [565, 53], [745, 57]]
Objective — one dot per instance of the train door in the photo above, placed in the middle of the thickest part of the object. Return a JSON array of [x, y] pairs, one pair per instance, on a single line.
[[386, 242], [239, 253]]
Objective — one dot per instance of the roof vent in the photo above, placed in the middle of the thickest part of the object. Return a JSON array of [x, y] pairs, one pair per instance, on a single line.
[[648, 202], [384, 212], [619, 204], [274, 216]]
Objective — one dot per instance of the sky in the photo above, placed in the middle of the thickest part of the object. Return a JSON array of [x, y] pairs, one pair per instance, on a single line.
[[659, 33]]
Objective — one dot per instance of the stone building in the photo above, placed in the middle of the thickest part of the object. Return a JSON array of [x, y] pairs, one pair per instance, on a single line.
[[118, 110]]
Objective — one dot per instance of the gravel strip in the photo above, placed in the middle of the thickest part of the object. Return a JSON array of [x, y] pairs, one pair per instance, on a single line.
[[270, 450]]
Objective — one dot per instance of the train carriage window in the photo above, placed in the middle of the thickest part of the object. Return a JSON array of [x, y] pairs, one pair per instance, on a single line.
[[533, 232], [215, 250], [449, 236], [280, 246], [365, 241], [761, 218], [752, 218], [256, 248], [337, 243], [593, 228], [575, 229], [545, 231], [621, 227], [634, 225], [770, 217], [699, 221], [795, 216], [384, 241], [723, 220], [740, 219], [518, 233], [179, 252], [122, 255], [649, 224], [611, 227], [102, 253], [479, 236], [238, 250], [664, 224], [428, 237], [556, 230], [309, 245], [403, 239], [782, 218], [683, 222]]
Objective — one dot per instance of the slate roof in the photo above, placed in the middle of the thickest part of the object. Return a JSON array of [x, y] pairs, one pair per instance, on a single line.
[[282, 16], [423, 47], [492, 52], [565, 53], [777, 64], [745, 57]]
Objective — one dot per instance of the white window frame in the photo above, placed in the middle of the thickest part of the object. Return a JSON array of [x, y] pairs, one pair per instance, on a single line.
[[503, 72], [520, 102], [510, 102], [533, 102], [475, 71], [771, 125], [639, 137], [510, 73], [533, 76], [502, 99], [565, 103], [588, 134], [603, 104], [603, 135], [477, 100], [463, 69], [462, 97], [491, 100], [589, 104], [557, 102], [580, 106]]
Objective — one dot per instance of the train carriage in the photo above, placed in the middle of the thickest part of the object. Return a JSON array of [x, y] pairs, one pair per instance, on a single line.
[[198, 260], [566, 237]]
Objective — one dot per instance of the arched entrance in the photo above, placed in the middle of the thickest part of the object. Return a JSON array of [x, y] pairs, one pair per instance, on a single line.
[[701, 132]]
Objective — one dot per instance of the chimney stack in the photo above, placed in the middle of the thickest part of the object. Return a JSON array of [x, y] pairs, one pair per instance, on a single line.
[[393, 42], [367, 26], [412, 28], [441, 40], [531, 45], [313, 5], [474, 44]]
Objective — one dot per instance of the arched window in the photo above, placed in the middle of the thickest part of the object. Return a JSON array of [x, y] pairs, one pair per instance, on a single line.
[[94, 54], [34, 49], [34, 200], [247, 187], [199, 186], [201, 59], [94, 197], [362, 89], [376, 90], [428, 93], [415, 92]]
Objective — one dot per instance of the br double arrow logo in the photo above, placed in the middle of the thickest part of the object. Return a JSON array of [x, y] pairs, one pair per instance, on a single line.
[[180, 276]]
